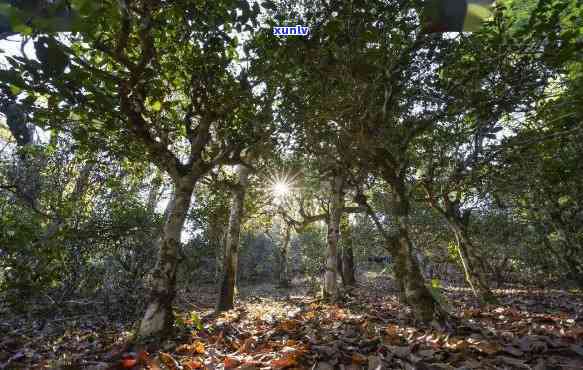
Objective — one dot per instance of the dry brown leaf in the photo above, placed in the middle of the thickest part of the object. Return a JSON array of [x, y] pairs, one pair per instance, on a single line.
[[392, 330], [194, 348], [168, 360], [359, 359], [230, 362], [289, 326], [284, 362], [457, 344], [488, 347], [193, 364], [247, 345]]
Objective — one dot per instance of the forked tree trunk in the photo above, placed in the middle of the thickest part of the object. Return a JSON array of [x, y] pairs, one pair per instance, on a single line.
[[471, 263], [284, 279], [348, 278], [226, 299], [336, 208], [415, 292], [474, 270], [159, 319]]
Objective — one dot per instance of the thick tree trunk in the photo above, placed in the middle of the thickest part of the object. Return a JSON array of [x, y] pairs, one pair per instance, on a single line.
[[415, 292], [348, 278], [284, 279], [159, 319], [226, 299], [336, 207]]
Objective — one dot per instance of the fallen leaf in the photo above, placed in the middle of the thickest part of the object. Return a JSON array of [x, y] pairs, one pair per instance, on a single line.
[[489, 348], [513, 362], [168, 360], [284, 362], [529, 344], [359, 359], [129, 360], [392, 330], [289, 326], [193, 364], [324, 366], [400, 351], [375, 363], [247, 345], [231, 363], [513, 351], [426, 353], [329, 351]]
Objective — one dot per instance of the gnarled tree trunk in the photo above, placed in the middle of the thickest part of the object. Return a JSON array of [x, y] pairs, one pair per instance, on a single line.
[[159, 319], [348, 278], [336, 209], [415, 292], [474, 270], [226, 299]]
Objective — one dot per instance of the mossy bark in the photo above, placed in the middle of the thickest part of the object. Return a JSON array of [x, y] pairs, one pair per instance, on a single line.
[[407, 271]]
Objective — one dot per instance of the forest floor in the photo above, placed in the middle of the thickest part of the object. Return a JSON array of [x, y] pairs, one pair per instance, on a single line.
[[276, 328]]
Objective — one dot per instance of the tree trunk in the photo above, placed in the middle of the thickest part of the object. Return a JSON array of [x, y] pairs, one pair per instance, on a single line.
[[284, 279], [415, 292], [159, 319], [336, 207], [471, 262], [339, 261], [226, 299], [348, 278]]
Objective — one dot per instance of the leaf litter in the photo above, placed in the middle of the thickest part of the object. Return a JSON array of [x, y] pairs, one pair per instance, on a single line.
[[369, 329]]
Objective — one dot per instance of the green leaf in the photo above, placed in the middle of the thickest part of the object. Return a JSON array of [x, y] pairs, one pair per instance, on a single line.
[[15, 90], [156, 106]]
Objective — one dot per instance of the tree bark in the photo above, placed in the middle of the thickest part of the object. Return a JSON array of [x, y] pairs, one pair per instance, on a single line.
[[348, 278], [159, 318], [336, 208], [226, 299], [415, 292], [471, 262], [284, 279]]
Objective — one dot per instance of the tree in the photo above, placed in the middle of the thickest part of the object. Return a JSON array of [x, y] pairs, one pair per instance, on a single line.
[[227, 289], [146, 77]]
